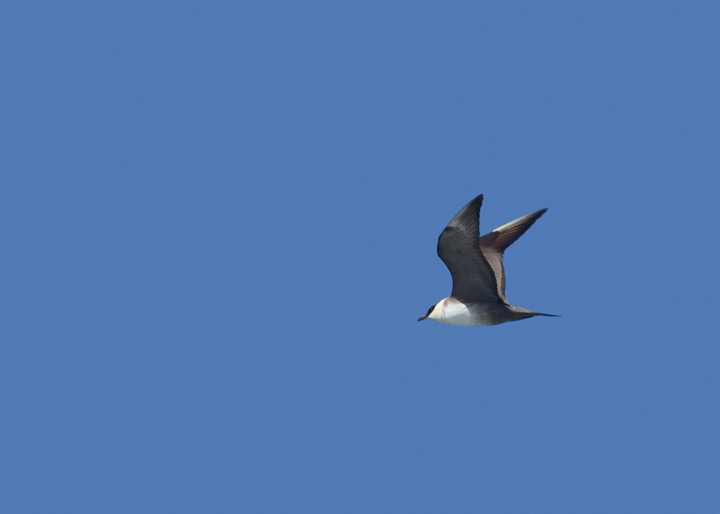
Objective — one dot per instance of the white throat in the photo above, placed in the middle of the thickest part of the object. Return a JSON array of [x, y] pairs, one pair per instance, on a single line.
[[452, 312]]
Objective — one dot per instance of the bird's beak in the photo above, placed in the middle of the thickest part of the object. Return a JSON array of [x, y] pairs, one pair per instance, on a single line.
[[422, 317]]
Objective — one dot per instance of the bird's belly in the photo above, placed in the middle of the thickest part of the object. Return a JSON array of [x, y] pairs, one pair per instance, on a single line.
[[459, 314]]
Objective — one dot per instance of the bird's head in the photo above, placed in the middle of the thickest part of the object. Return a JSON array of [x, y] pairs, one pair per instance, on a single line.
[[433, 313]]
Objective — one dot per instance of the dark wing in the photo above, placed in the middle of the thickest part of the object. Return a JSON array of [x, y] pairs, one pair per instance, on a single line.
[[494, 244], [459, 248]]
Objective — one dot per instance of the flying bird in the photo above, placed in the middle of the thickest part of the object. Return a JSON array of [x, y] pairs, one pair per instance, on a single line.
[[478, 276]]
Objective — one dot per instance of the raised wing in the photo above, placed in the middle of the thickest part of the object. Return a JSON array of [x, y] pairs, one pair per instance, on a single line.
[[459, 248], [494, 244]]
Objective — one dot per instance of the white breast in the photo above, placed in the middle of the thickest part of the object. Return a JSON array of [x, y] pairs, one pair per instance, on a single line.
[[452, 312]]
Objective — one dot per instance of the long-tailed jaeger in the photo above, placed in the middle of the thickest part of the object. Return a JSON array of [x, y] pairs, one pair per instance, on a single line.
[[476, 265]]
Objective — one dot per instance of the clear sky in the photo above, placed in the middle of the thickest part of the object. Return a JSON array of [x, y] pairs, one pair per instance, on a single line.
[[218, 226]]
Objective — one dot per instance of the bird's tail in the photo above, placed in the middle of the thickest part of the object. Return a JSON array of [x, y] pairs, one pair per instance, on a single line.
[[529, 314]]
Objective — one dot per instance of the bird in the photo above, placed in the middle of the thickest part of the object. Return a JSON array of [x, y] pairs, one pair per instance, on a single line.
[[478, 275]]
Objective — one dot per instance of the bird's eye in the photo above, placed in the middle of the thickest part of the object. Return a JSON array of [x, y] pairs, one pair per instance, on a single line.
[[430, 310]]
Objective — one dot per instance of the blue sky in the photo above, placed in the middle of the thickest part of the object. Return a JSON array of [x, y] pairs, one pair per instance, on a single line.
[[218, 226]]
